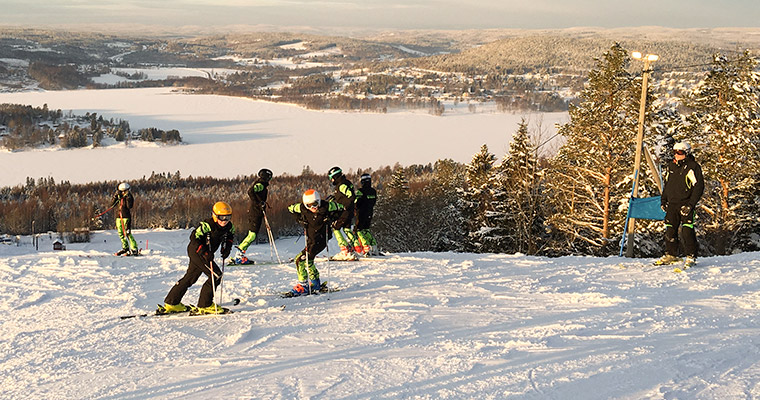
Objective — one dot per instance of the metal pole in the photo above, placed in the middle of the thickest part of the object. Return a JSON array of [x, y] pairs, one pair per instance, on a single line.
[[637, 160]]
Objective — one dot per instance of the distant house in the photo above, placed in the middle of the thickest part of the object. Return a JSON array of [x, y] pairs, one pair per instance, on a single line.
[[58, 245]]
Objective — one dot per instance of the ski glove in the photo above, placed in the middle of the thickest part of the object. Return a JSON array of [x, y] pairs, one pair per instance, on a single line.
[[204, 253], [685, 210]]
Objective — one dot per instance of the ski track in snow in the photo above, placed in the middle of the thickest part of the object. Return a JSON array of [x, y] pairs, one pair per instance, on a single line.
[[414, 325]]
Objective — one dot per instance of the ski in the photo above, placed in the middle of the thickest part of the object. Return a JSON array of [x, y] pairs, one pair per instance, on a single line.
[[323, 289], [188, 313], [252, 262]]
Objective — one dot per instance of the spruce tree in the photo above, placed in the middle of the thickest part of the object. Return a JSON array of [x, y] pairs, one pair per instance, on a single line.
[[477, 202], [516, 196]]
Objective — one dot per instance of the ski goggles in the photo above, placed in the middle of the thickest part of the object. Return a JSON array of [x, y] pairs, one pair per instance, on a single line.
[[224, 217], [680, 152], [312, 206]]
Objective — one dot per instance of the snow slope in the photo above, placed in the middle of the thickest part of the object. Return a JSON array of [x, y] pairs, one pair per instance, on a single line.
[[414, 325], [229, 136]]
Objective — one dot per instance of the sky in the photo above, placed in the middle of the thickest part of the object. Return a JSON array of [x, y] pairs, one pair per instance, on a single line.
[[387, 14]]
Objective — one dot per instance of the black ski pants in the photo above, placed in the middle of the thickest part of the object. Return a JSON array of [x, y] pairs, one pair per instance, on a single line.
[[674, 220], [255, 216], [198, 265]]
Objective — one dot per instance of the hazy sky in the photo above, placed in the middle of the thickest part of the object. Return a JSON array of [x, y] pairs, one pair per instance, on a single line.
[[389, 14]]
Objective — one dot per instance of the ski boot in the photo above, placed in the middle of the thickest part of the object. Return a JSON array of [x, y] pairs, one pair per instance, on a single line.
[[171, 308], [122, 252], [667, 259], [300, 289], [316, 285], [212, 309], [689, 261], [345, 255]]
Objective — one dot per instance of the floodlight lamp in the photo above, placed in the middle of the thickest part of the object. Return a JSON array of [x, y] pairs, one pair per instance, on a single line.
[[636, 55], [652, 57]]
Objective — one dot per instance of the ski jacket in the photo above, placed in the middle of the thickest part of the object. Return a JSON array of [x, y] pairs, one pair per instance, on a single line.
[[684, 183], [366, 197], [122, 204], [317, 222], [209, 235], [258, 193], [345, 194]]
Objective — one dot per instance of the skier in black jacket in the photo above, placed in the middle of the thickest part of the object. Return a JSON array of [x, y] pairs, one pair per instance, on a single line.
[[684, 185], [204, 241], [123, 202], [258, 193], [345, 195], [315, 216], [366, 197]]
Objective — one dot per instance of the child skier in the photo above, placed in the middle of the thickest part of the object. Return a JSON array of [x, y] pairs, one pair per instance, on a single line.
[[258, 194], [344, 194], [123, 201], [315, 216], [366, 197], [204, 241]]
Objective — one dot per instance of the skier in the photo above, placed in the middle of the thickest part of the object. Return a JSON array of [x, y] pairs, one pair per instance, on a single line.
[[123, 201], [366, 197], [345, 195], [682, 190], [315, 216], [258, 195], [204, 241]]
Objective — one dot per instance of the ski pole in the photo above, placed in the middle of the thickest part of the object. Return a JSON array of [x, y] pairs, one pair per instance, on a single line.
[[327, 250], [221, 284], [306, 264], [101, 214], [272, 245]]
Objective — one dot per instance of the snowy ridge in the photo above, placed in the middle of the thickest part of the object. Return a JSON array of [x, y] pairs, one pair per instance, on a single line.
[[422, 325]]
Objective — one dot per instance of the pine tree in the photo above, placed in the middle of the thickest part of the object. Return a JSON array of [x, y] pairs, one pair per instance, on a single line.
[[587, 178], [724, 129]]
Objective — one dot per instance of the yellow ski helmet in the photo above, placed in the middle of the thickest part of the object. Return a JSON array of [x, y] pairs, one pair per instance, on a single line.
[[223, 210]]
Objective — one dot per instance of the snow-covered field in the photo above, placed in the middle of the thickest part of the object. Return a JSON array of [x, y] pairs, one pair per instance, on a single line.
[[413, 325], [229, 136]]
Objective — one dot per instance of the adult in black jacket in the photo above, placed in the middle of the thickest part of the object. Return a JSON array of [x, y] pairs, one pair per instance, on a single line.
[[258, 193], [315, 216], [211, 234], [122, 202], [366, 197], [684, 185]]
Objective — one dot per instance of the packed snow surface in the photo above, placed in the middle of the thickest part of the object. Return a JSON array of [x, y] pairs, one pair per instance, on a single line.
[[409, 325]]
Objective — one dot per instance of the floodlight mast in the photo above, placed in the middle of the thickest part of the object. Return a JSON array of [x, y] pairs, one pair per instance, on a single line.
[[639, 140]]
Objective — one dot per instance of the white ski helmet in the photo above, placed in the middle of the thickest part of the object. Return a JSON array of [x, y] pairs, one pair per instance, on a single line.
[[311, 198], [682, 146], [124, 186]]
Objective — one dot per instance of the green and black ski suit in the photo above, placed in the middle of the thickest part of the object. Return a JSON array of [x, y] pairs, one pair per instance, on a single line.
[[366, 197], [346, 196], [204, 241], [258, 193], [315, 226], [122, 203], [684, 185]]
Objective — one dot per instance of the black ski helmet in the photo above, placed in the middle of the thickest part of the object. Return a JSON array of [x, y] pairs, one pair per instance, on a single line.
[[366, 179], [265, 174], [334, 172]]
